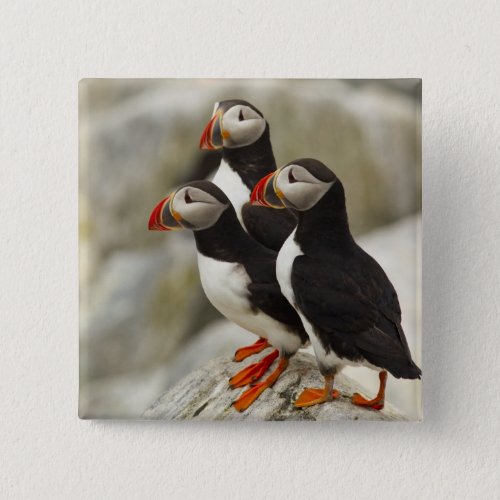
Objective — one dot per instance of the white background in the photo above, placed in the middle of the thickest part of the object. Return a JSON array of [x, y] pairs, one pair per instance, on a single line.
[[46, 47]]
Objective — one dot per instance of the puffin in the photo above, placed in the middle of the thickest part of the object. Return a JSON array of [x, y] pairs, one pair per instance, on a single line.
[[238, 276], [240, 131], [347, 303]]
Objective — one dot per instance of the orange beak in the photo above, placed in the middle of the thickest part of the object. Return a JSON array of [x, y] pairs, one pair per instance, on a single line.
[[162, 217], [211, 138], [264, 193]]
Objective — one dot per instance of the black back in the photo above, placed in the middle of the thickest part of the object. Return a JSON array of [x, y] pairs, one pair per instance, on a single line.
[[344, 292], [269, 227]]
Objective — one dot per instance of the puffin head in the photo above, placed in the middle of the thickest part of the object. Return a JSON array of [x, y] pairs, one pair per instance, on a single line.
[[196, 205], [234, 124], [299, 185]]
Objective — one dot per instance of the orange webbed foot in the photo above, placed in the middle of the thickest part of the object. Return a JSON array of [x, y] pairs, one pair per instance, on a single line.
[[243, 352], [251, 394], [377, 403], [315, 396], [374, 404], [253, 372]]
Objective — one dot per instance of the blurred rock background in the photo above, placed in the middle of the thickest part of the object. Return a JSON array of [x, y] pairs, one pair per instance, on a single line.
[[144, 320]]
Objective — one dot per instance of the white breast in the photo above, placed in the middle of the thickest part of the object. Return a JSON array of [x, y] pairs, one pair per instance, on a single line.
[[225, 285], [288, 253], [230, 182]]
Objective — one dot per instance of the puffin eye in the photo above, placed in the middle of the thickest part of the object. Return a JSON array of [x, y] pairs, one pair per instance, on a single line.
[[291, 178], [187, 198], [240, 116]]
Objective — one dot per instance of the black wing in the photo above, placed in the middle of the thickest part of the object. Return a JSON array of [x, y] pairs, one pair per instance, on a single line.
[[265, 294], [268, 226], [355, 310]]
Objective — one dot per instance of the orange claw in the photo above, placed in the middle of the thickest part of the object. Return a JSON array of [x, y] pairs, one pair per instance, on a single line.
[[250, 395], [377, 403], [254, 371], [311, 397], [243, 352]]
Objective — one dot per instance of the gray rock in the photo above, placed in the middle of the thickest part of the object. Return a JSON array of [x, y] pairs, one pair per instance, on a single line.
[[140, 309], [123, 396], [128, 394], [205, 395]]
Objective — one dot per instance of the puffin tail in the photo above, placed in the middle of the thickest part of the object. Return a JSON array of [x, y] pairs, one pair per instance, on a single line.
[[409, 371], [414, 372], [388, 354]]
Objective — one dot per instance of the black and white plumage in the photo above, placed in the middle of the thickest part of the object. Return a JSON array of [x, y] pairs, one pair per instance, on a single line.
[[237, 273], [348, 306], [242, 133]]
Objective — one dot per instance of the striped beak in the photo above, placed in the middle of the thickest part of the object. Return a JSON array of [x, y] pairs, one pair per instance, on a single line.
[[163, 217], [266, 194], [212, 135]]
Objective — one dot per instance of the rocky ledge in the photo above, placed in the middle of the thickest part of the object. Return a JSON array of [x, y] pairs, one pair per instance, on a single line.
[[204, 394]]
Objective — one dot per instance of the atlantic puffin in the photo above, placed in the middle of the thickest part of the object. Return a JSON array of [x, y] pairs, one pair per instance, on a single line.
[[238, 275], [240, 131], [347, 304]]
